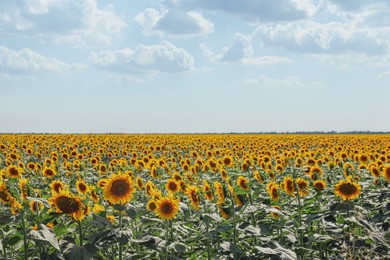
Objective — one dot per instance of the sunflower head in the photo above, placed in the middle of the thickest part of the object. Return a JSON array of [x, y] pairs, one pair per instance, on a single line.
[[347, 190], [82, 187], [243, 182], [167, 208], [67, 203], [288, 185], [319, 185], [172, 186], [119, 189], [386, 173]]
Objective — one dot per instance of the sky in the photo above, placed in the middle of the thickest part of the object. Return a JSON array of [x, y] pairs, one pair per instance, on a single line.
[[194, 66]]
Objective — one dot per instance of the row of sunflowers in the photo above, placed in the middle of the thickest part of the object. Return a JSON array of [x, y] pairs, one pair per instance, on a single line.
[[194, 196]]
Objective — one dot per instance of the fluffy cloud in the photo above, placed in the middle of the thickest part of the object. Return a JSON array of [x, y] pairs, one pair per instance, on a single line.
[[174, 23], [241, 51], [385, 74], [259, 10], [28, 62], [164, 57], [356, 5], [272, 82], [79, 23], [328, 38]]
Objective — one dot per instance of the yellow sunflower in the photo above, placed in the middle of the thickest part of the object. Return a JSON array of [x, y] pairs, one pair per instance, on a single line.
[[243, 182], [319, 185], [151, 206], [56, 186], [14, 171], [66, 202], [192, 192], [288, 185], [119, 189], [172, 186], [82, 187], [167, 208], [303, 186], [347, 190], [386, 173], [49, 172]]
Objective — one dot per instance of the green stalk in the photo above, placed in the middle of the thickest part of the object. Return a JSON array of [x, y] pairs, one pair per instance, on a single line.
[[207, 232], [252, 216], [120, 235], [25, 244], [80, 232], [234, 225]]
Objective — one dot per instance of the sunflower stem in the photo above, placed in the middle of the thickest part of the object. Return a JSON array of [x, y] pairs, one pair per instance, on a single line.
[[207, 231], [25, 244], [80, 232], [252, 216], [234, 225], [120, 235]]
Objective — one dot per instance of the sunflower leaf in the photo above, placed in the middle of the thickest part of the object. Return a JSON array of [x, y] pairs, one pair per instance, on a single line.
[[45, 236]]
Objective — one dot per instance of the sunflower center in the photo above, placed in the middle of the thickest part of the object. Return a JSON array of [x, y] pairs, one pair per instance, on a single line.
[[194, 197], [67, 205], [120, 187], [172, 186], [49, 172], [82, 187], [13, 171], [348, 189], [3, 196], [166, 208]]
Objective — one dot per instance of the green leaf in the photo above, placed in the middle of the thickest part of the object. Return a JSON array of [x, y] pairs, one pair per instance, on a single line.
[[5, 219], [240, 191], [45, 236], [73, 252], [42, 200], [266, 250], [179, 247], [101, 221], [131, 211]]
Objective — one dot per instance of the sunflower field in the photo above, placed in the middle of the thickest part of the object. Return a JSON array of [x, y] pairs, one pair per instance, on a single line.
[[237, 196]]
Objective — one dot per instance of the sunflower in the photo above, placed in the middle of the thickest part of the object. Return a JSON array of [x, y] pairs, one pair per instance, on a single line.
[[98, 208], [207, 191], [36, 206], [140, 183], [386, 173], [272, 189], [288, 185], [375, 171], [149, 187], [94, 196], [82, 187], [66, 202], [302, 187], [192, 192], [102, 182], [347, 190], [225, 211], [274, 214], [257, 176], [151, 206], [219, 192], [14, 171], [5, 195], [119, 189], [319, 185], [227, 161], [315, 173], [243, 182], [49, 172], [56, 186], [172, 186], [167, 207]]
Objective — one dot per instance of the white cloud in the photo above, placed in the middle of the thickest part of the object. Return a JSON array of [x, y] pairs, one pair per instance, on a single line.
[[260, 10], [327, 38], [79, 23], [385, 74], [272, 82], [174, 23], [164, 57], [356, 5], [241, 51], [28, 62]]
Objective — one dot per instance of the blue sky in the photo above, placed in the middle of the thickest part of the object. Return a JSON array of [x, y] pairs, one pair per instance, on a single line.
[[167, 66]]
